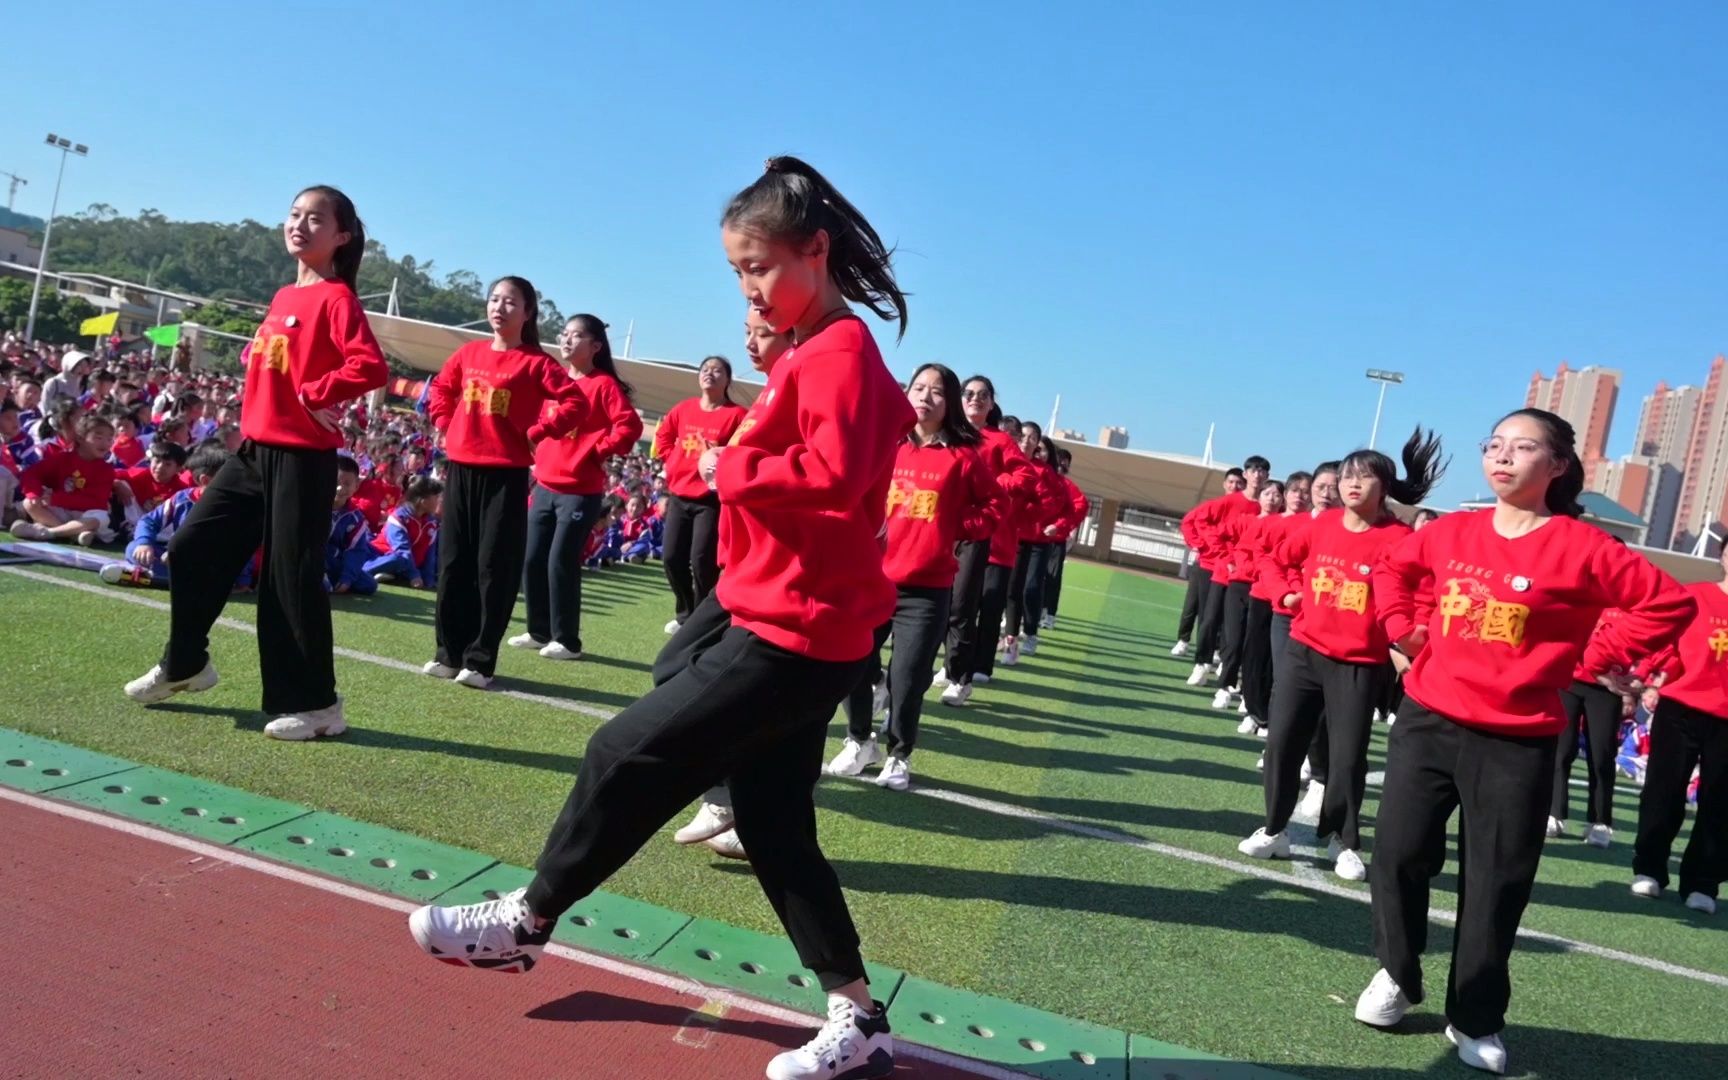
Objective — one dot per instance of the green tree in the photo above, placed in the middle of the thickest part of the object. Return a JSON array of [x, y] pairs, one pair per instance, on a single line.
[[57, 317]]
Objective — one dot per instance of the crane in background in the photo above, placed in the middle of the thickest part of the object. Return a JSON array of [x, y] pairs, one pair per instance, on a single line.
[[12, 191]]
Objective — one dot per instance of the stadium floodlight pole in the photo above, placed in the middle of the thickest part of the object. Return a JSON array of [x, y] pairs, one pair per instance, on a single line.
[[66, 147], [1385, 379]]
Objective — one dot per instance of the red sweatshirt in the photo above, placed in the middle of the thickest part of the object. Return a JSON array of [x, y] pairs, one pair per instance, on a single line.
[[1696, 675], [376, 497], [1271, 579], [1017, 481], [939, 496], [489, 404], [128, 451], [149, 493], [1258, 538], [803, 492], [573, 465], [1606, 618], [70, 481], [1077, 509], [1211, 519], [1049, 506], [315, 342], [680, 439], [1241, 537], [1330, 567], [1511, 618]]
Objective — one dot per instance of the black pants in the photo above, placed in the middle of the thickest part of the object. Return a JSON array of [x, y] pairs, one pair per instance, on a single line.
[[726, 705], [920, 617], [963, 603], [1499, 785], [691, 545], [1234, 632], [1194, 600], [1280, 643], [558, 528], [1682, 738], [1599, 708], [1211, 623], [1308, 684], [1257, 660], [480, 552], [1053, 588], [1026, 588], [990, 608], [280, 497]]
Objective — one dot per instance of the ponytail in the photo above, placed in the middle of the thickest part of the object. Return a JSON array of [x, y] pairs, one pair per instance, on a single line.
[[1563, 491], [793, 202], [1423, 468], [347, 259], [594, 328]]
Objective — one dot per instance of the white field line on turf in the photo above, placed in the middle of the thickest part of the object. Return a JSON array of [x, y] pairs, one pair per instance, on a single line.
[[1123, 599], [665, 980], [1078, 828]]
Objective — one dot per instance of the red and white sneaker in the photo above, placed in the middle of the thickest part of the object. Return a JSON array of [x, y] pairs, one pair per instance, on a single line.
[[497, 935]]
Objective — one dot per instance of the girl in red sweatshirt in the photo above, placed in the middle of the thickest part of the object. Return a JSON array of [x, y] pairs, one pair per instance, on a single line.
[[1338, 657], [312, 355], [1495, 607], [67, 495], [1079, 507], [692, 538], [746, 687], [493, 401], [1253, 544], [942, 495], [569, 483], [1036, 518]]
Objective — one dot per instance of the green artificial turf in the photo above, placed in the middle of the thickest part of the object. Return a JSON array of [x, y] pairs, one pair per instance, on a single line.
[[1096, 729]]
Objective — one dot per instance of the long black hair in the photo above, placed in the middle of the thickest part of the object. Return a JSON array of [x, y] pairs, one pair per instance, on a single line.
[[347, 259], [792, 202], [530, 300], [727, 365], [1563, 490], [957, 430], [1423, 467], [594, 328], [994, 417], [1049, 445]]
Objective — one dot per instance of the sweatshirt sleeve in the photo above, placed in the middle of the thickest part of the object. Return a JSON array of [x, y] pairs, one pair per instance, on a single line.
[[1189, 528], [984, 500], [1656, 610], [363, 369], [150, 525], [396, 537], [623, 422], [568, 404], [1078, 505], [1291, 556], [1398, 576], [444, 391], [32, 481], [666, 434], [1018, 477]]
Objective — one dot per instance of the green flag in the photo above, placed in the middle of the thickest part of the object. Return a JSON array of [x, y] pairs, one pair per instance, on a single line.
[[166, 336]]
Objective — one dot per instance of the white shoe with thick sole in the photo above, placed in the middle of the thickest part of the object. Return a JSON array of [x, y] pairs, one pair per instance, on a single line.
[[1248, 726], [1599, 836], [154, 685], [1029, 644], [1556, 828], [1010, 653], [1242, 706], [472, 679], [1391, 718], [1307, 770], [727, 845], [896, 775], [1346, 863], [1312, 800], [438, 671], [555, 650], [1261, 762], [710, 821], [941, 678], [1699, 902], [852, 1045], [1265, 845], [1383, 1003], [672, 627], [1646, 886], [1221, 699], [855, 757], [1487, 1054], [1198, 675], [305, 726], [982, 678], [957, 694], [496, 935], [1179, 649], [525, 641]]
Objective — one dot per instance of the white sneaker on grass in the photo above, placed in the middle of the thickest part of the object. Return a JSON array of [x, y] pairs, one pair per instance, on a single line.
[[957, 694], [154, 685], [855, 757], [941, 678], [1312, 800], [1307, 770], [1556, 827], [1242, 707], [556, 651], [1599, 836], [981, 678], [1487, 1053], [1383, 1003], [710, 821], [305, 726], [1221, 700], [672, 627], [1029, 644], [1646, 886], [1010, 652], [1198, 676], [1179, 649], [1346, 863], [1265, 845], [896, 775], [497, 935], [437, 670], [1261, 763], [1391, 718], [1699, 902], [472, 679], [727, 845], [852, 1045], [525, 641], [1248, 726]]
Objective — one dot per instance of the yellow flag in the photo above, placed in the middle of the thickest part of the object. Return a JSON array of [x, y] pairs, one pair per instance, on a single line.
[[101, 324]]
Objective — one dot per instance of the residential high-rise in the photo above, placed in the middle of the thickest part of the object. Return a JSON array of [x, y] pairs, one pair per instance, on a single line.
[[1585, 398], [1116, 438], [1704, 491], [1665, 424], [1646, 486]]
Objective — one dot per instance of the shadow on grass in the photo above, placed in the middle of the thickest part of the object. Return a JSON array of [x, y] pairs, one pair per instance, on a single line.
[[562, 764], [582, 695]]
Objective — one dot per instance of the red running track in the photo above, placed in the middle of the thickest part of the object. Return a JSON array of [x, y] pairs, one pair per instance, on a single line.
[[130, 956]]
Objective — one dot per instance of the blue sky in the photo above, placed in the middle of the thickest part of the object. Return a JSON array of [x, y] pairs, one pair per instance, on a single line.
[[1172, 215]]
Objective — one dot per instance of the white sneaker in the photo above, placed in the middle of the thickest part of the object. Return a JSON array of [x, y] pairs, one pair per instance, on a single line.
[[1307, 770], [524, 641], [672, 627], [1379, 716], [1221, 700], [1179, 649], [153, 686], [1265, 845], [850, 1046], [879, 698], [957, 694], [1198, 675], [1599, 836], [1646, 886], [1556, 827], [1382, 1004], [1048, 622], [1011, 653], [556, 651], [1261, 731], [710, 821], [1242, 707], [855, 757], [1391, 718], [941, 678], [496, 935], [981, 679], [1029, 644], [1312, 800], [1248, 726], [896, 775], [300, 727], [727, 845], [473, 679], [1487, 1054], [1261, 762], [437, 670], [1346, 864], [1699, 902]]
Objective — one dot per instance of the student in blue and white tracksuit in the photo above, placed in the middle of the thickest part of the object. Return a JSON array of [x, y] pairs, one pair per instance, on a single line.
[[349, 547]]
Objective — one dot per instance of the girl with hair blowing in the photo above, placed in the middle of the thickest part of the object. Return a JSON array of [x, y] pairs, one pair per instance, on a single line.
[[745, 688], [1495, 608]]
